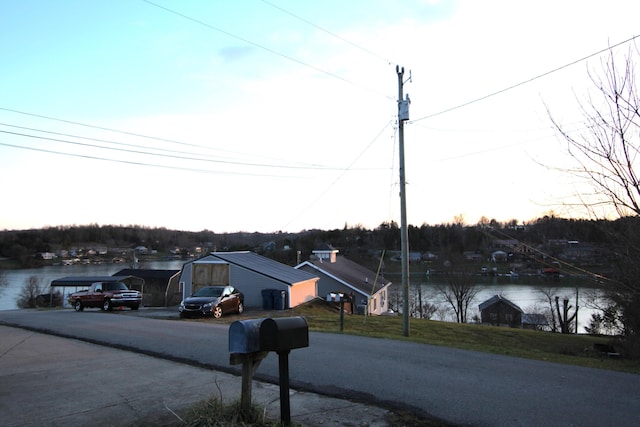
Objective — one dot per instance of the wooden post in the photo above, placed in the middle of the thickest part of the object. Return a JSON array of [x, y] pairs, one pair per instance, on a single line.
[[250, 363]]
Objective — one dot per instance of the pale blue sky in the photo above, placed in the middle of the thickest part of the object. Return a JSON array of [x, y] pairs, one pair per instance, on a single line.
[[280, 115]]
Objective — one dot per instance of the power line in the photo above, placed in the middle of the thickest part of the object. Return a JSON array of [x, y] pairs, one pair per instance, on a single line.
[[154, 138], [130, 162], [265, 48], [172, 156], [482, 98], [338, 178], [388, 62]]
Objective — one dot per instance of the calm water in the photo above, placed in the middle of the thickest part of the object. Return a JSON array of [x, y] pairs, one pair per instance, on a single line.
[[17, 278], [522, 291]]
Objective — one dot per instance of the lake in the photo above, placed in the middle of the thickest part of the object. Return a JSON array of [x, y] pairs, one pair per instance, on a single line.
[[522, 291], [17, 278]]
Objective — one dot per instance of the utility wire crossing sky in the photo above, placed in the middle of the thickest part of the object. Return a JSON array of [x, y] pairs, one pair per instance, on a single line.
[[282, 116]]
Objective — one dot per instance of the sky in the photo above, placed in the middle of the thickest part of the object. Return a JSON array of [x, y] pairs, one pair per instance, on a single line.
[[281, 115]]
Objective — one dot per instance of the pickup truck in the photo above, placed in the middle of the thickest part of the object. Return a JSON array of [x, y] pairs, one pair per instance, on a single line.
[[106, 295]]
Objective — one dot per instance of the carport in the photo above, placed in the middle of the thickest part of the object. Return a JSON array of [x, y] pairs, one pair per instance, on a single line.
[[132, 282]]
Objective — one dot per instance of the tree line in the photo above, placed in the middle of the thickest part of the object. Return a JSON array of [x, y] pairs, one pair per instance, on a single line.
[[24, 246]]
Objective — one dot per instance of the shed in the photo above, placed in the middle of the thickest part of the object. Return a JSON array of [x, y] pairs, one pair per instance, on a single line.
[[161, 287], [341, 275], [251, 274], [534, 321], [499, 311]]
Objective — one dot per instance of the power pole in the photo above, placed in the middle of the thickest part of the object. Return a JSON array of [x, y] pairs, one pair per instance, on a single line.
[[403, 115]]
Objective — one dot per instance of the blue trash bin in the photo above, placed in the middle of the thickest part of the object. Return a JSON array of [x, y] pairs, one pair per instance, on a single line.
[[267, 299]]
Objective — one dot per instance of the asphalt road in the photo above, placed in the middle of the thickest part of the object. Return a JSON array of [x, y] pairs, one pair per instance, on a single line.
[[462, 387]]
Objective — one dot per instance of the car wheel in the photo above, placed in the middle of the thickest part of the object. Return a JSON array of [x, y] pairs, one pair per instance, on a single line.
[[78, 305], [106, 304], [217, 312], [135, 307], [240, 308]]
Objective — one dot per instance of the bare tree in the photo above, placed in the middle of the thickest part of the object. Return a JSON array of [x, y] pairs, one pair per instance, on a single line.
[[565, 320], [28, 297], [4, 281], [606, 156], [460, 289], [548, 295]]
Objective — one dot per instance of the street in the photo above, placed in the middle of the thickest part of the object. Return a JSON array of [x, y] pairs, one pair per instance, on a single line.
[[462, 387]]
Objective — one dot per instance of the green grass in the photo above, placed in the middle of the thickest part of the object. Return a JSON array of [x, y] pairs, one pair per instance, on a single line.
[[552, 347]]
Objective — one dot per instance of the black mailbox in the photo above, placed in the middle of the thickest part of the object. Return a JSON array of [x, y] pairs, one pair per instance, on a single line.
[[283, 334], [244, 336]]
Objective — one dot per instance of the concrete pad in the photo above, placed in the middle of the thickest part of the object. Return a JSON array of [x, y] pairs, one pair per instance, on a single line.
[[53, 381]]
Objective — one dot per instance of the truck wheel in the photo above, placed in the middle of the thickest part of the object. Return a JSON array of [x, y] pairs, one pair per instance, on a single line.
[[106, 304], [78, 306], [134, 307], [217, 312]]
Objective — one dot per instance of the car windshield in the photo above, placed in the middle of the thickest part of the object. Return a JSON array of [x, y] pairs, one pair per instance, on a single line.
[[114, 286], [208, 292]]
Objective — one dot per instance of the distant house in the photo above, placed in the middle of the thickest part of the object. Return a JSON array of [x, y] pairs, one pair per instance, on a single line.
[[499, 256], [254, 275], [499, 311], [338, 275], [161, 287]]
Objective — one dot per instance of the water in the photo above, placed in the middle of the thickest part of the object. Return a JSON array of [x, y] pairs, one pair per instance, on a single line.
[[17, 278], [523, 291]]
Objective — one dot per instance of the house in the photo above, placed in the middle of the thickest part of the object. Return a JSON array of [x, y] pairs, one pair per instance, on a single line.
[[499, 311], [339, 275], [251, 274], [499, 256], [161, 287]]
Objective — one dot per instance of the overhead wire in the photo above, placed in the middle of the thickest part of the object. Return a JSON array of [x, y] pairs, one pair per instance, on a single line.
[[482, 98], [127, 133], [337, 36], [175, 155], [267, 49], [338, 178], [130, 162]]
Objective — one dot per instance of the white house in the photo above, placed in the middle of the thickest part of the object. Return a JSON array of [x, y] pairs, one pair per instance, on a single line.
[[340, 275]]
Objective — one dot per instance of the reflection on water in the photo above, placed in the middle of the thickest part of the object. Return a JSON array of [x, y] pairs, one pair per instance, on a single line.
[[524, 291], [16, 278]]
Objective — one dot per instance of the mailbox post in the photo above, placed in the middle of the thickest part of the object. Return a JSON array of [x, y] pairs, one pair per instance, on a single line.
[[283, 335], [251, 340], [244, 346]]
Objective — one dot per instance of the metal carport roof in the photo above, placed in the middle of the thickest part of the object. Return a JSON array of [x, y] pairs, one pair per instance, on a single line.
[[77, 281]]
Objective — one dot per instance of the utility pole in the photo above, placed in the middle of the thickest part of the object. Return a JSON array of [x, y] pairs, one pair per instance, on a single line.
[[403, 115]]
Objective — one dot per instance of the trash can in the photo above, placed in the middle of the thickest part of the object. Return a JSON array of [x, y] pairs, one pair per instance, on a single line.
[[279, 299], [267, 299]]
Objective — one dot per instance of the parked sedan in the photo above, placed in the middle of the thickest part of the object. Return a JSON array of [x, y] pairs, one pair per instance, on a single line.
[[213, 301]]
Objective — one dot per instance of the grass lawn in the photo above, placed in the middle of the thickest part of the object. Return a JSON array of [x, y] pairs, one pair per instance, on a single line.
[[552, 347]]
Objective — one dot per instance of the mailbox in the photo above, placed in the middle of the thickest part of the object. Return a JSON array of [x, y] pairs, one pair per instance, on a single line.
[[283, 334], [244, 336]]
